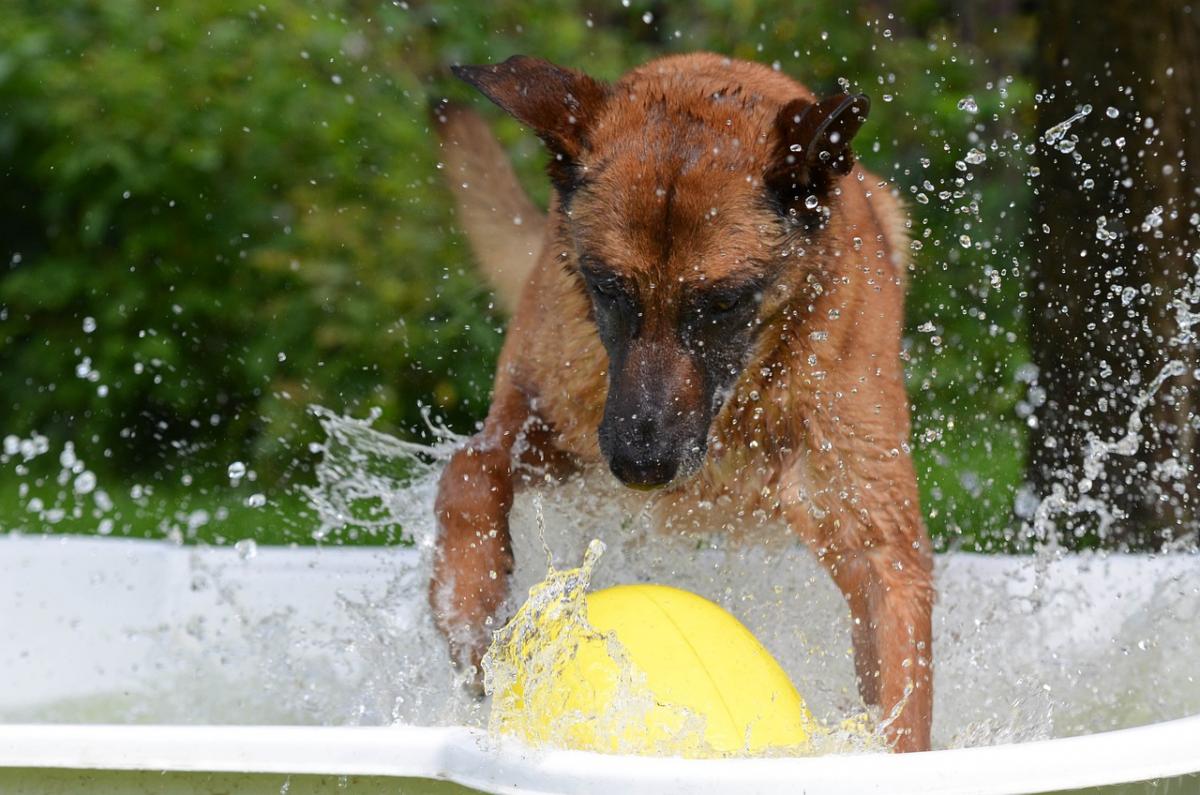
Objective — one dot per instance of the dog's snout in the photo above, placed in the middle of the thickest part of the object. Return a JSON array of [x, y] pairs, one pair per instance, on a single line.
[[642, 430], [643, 472], [654, 423], [642, 454]]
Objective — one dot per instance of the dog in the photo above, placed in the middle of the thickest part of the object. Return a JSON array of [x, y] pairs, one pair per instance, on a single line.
[[712, 307]]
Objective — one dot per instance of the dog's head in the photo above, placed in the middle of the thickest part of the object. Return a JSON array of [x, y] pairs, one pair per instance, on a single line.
[[686, 213]]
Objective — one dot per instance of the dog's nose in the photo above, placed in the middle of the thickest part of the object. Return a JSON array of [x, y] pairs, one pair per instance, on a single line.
[[639, 472]]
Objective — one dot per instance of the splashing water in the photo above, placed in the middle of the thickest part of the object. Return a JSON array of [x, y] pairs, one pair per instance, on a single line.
[[549, 641], [541, 645], [345, 637], [1086, 643], [1056, 134], [1098, 451]]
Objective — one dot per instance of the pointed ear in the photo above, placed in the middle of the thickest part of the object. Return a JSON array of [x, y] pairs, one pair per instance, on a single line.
[[561, 105], [812, 147]]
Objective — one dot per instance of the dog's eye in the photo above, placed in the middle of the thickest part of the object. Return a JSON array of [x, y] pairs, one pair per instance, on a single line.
[[725, 303], [606, 290], [728, 303]]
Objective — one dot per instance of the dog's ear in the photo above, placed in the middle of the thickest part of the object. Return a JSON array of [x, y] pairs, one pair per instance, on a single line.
[[812, 148], [561, 105]]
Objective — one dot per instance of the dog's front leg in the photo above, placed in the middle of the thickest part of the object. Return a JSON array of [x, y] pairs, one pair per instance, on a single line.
[[899, 591], [889, 589], [877, 552], [473, 559], [852, 574]]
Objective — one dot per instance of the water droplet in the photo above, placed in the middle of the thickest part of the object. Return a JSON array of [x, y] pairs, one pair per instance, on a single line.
[[256, 500], [67, 457], [964, 241], [237, 471], [246, 549], [85, 482], [811, 202], [89, 325], [1112, 113], [968, 104], [975, 157]]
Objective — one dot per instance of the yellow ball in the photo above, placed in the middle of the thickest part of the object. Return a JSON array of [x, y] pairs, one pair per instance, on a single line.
[[687, 652]]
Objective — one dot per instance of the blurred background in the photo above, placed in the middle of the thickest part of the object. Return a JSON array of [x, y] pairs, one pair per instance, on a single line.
[[215, 215]]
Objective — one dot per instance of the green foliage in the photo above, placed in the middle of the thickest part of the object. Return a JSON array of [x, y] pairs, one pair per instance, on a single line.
[[196, 515], [245, 199], [245, 205]]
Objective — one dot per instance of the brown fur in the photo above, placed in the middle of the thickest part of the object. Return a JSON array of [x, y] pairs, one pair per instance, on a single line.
[[492, 206], [676, 159]]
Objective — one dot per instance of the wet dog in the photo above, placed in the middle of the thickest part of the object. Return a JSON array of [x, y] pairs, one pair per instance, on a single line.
[[711, 307]]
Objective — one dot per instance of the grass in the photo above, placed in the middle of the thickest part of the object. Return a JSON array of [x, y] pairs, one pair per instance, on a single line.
[[195, 515], [965, 498], [968, 464]]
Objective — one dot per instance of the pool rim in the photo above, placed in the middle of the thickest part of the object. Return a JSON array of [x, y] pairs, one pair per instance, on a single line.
[[469, 757]]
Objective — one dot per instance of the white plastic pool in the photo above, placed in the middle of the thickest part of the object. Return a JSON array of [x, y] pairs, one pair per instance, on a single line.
[[96, 632]]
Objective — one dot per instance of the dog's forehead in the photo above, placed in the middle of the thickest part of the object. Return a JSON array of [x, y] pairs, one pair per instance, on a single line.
[[699, 132], [675, 198], [684, 228]]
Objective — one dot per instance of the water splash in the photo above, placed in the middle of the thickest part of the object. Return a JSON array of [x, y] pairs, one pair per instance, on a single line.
[[542, 645], [1054, 135], [1072, 495], [550, 640], [1093, 642], [371, 483]]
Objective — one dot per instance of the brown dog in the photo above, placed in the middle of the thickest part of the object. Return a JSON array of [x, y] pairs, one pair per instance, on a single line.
[[712, 307]]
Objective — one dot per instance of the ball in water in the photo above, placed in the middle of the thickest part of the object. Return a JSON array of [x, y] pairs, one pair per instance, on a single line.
[[687, 653]]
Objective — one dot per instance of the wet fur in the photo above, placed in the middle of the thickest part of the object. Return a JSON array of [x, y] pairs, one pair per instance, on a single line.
[[668, 186]]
